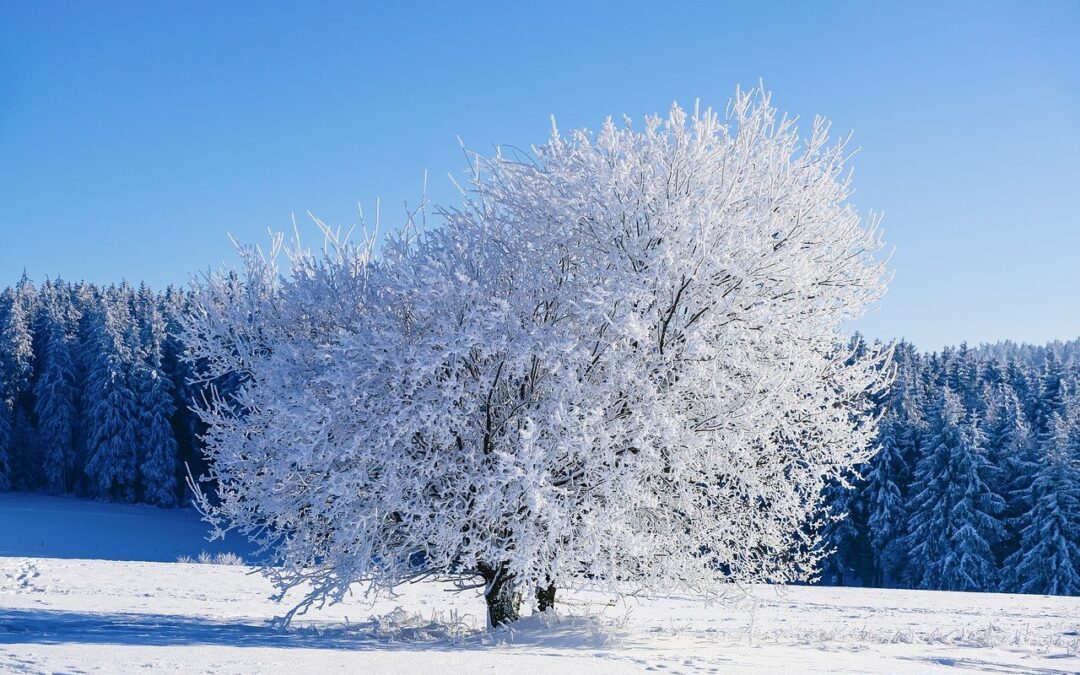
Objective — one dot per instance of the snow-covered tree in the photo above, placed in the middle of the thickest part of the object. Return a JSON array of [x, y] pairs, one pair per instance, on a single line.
[[1014, 453], [56, 391], [851, 560], [953, 513], [16, 369], [617, 363], [109, 406], [159, 461], [185, 423], [884, 502], [1019, 379], [841, 537], [16, 342], [1048, 558], [1048, 395], [962, 376], [157, 468], [888, 473]]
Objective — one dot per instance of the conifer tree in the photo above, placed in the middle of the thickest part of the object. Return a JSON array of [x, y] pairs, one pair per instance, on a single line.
[[884, 498], [1012, 449], [841, 535], [16, 346], [965, 377], [1048, 558], [56, 391], [87, 301], [158, 467], [110, 408], [185, 423], [1049, 396], [158, 459], [953, 513], [16, 368], [1017, 377]]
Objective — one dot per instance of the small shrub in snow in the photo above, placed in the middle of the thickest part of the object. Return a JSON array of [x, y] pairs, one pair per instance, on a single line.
[[205, 558]]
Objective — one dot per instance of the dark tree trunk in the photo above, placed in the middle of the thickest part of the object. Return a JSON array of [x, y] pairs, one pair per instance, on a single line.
[[545, 597], [502, 596]]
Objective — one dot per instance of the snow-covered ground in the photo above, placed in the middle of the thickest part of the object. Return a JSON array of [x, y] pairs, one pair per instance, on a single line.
[[33, 525], [67, 614]]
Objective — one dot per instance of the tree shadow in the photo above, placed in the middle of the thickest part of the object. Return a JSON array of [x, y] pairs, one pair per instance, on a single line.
[[395, 631], [40, 626]]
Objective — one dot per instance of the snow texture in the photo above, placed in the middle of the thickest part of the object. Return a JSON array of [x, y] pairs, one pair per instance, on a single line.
[[111, 616], [33, 525]]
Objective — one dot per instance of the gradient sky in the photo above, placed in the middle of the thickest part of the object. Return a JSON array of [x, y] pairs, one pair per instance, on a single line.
[[134, 136]]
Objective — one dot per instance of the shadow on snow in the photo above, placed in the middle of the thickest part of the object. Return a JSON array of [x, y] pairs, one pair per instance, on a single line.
[[396, 631]]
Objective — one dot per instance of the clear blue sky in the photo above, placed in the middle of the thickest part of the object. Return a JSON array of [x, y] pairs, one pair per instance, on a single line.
[[133, 136]]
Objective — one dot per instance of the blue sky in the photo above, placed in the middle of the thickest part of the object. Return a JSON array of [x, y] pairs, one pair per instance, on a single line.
[[133, 136]]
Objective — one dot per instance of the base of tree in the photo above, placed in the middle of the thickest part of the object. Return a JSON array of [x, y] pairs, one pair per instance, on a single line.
[[545, 597], [502, 596]]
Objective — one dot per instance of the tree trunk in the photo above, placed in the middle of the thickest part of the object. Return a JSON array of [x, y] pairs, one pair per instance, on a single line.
[[502, 596], [545, 597]]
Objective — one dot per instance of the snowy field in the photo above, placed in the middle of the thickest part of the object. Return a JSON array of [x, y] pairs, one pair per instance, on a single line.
[[36, 526], [126, 611]]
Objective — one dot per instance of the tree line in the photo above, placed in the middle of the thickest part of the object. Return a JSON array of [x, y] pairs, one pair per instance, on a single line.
[[94, 392], [976, 486]]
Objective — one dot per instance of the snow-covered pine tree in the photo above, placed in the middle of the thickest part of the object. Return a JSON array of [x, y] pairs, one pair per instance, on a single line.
[[157, 468], [109, 406], [608, 366], [1012, 450], [56, 392], [185, 422], [943, 371], [992, 373], [884, 502], [841, 537], [888, 474], [16, 369], [1018, 378], [1048, 395], [1048, 558], [16, 341], [159, 464], [850, 561], [953, 513], [965, 378]]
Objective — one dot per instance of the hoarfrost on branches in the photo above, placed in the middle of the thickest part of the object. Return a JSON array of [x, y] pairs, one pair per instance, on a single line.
[[618, 362]]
